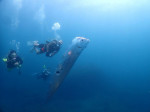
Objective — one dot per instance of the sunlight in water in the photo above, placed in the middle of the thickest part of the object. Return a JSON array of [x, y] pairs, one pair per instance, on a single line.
[[107, 5]]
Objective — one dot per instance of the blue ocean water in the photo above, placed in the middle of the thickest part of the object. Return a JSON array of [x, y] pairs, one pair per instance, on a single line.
[[111, 75]]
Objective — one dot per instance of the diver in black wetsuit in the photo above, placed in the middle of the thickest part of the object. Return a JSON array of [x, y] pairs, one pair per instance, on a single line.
[[43, 75], [13, 61], [50, 48]]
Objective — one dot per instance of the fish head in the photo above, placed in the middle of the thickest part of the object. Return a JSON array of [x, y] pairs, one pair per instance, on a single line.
[[81, 42]]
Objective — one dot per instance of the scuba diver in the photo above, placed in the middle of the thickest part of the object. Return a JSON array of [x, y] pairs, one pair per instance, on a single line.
[[50, 48], [44, 74], [13, 61]]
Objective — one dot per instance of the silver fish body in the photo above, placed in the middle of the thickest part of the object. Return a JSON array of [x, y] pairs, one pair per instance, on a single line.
[[69, 58]]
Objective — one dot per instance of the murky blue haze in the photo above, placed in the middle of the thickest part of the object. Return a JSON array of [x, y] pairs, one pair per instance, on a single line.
[[111, 75]]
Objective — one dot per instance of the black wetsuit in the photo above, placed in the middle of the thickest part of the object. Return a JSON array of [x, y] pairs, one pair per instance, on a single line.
[[44, 74], [11, 62], [52, 46]]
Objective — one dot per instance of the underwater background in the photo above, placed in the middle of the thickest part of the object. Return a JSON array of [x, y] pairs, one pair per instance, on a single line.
[[111, 75]]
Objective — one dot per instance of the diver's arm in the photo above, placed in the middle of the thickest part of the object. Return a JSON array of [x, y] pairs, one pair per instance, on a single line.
[[21, 61], [54, 52], [18, 62], [36, 74]]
